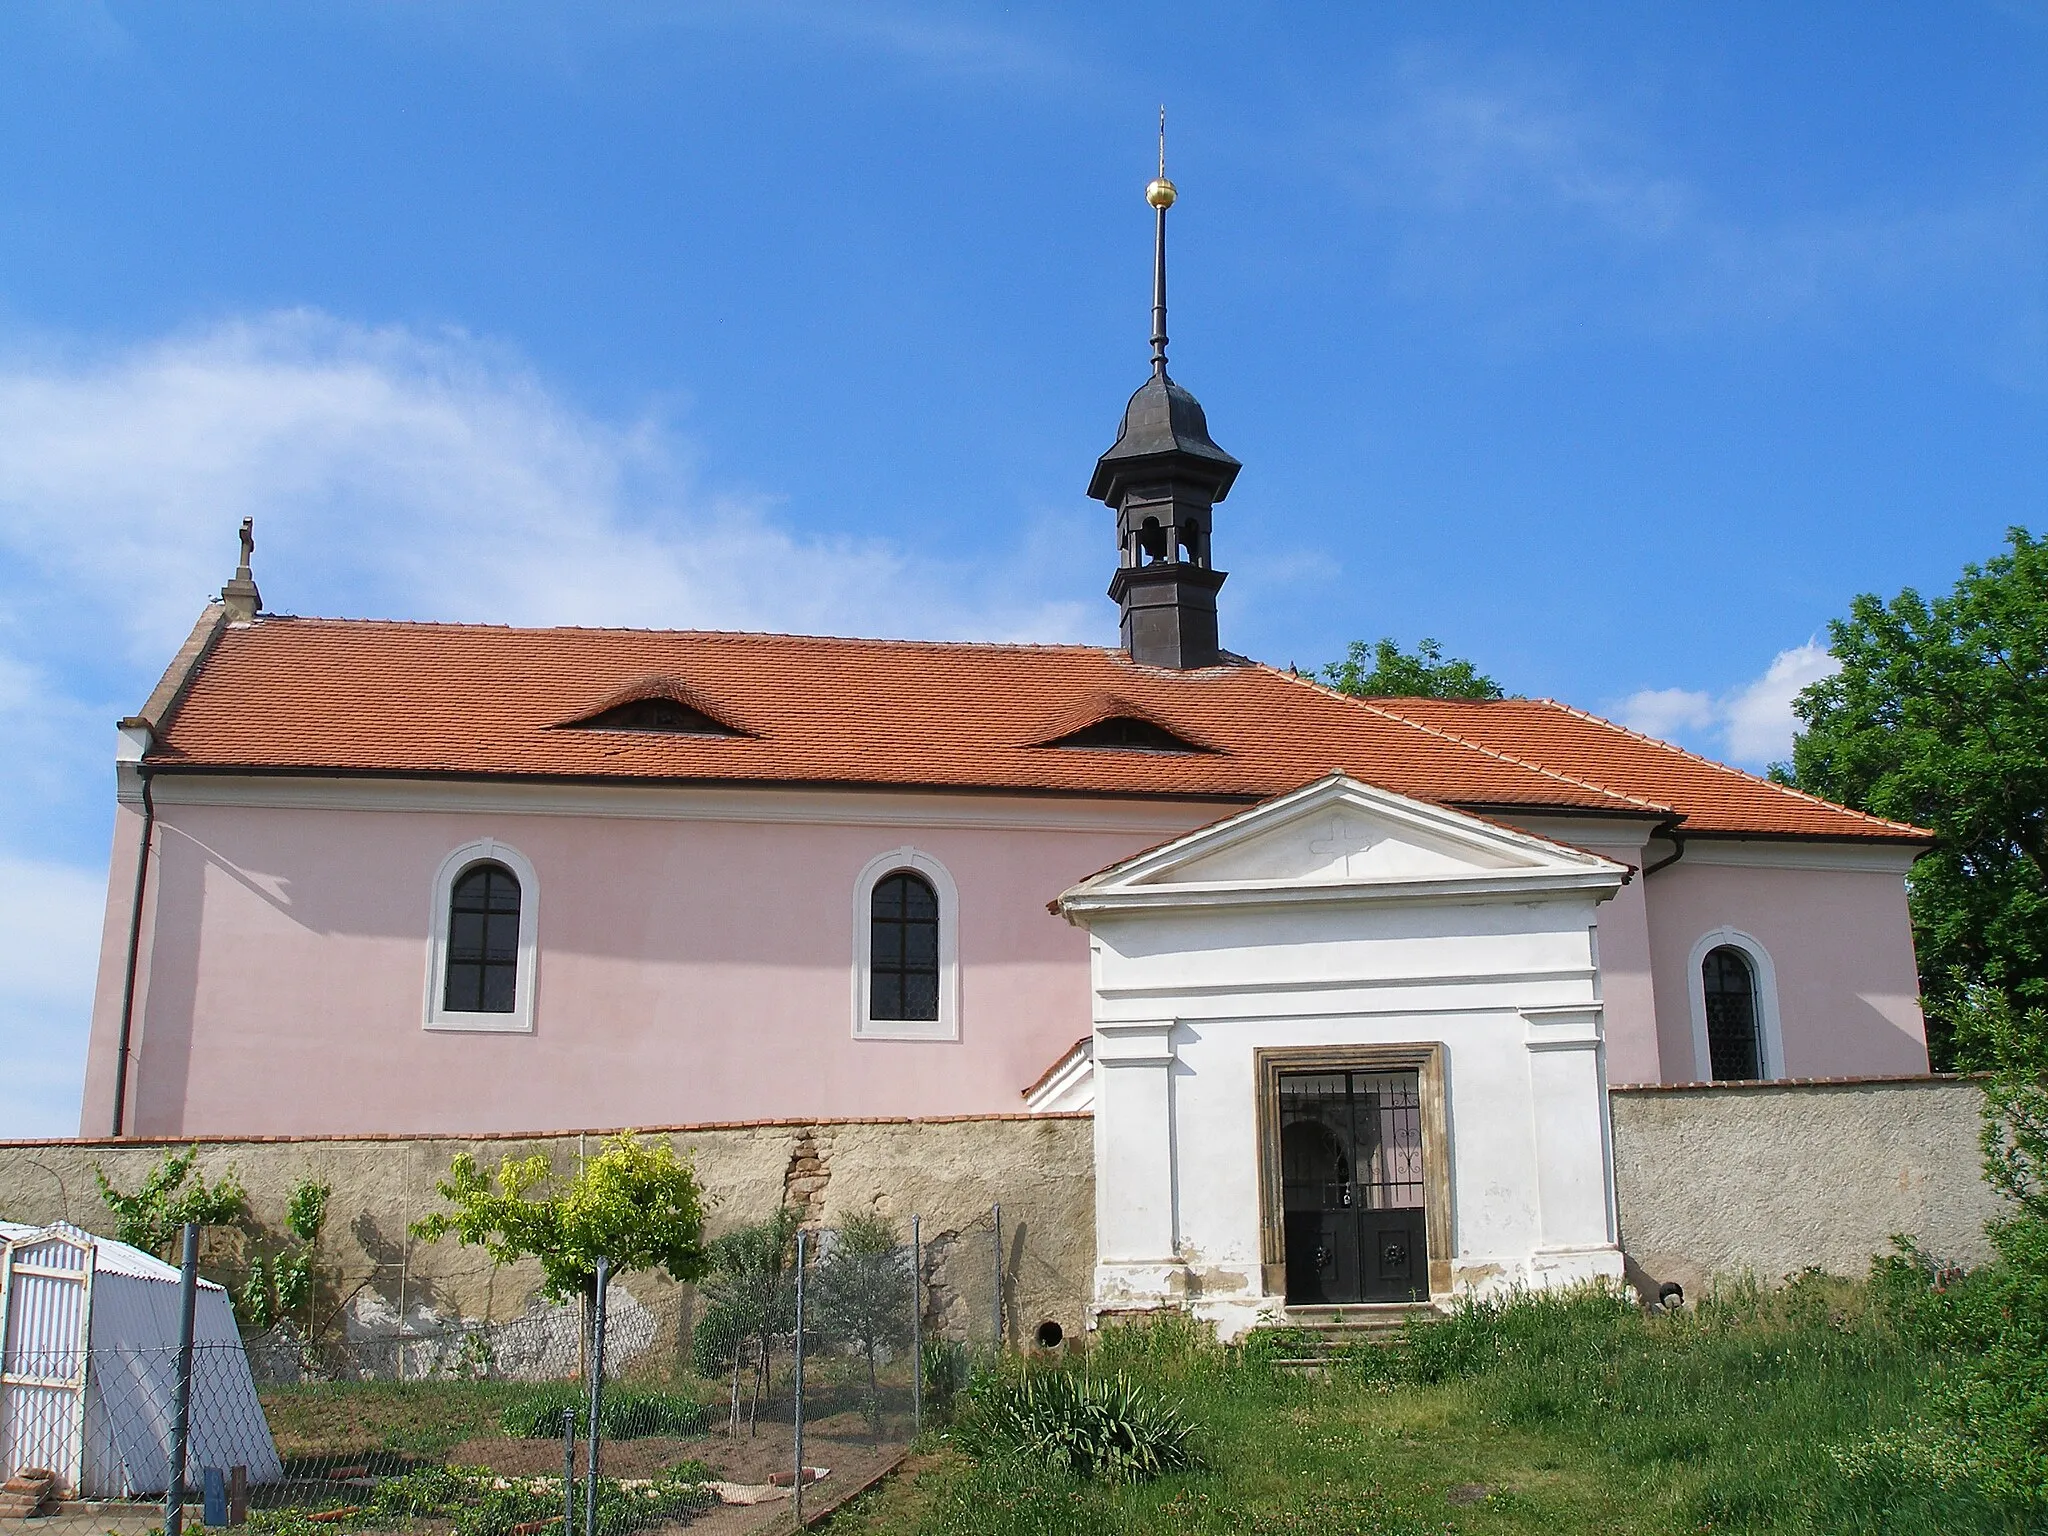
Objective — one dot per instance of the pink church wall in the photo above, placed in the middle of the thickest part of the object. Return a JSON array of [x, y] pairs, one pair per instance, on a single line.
[[1627, 992], [690, 970], [1840, 942], [697, 969]]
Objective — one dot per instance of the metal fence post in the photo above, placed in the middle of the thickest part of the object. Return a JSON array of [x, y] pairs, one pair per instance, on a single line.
[[596, 1397], [999, 1276], [568, 1472], [916, 1330], [181, 1407], [796, 1489]]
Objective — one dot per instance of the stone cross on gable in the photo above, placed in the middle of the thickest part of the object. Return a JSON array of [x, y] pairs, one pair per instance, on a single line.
[[1342, 839]]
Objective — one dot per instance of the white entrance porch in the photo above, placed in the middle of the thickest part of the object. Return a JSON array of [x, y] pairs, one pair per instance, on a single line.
[[1335, 1027]]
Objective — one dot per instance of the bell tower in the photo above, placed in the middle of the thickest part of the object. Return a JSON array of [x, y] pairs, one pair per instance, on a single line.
[[1164, 477]]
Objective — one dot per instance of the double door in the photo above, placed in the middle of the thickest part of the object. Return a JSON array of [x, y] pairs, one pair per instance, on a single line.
[[1352, 1187]]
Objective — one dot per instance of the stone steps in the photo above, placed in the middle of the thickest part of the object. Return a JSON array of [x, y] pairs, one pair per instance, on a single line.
[[1337, 1328]]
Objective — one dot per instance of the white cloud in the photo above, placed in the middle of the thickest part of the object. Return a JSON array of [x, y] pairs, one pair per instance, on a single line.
[[1666, 711], [50, 917], [1760, 723], [1751, 724], [390, 474], [393, 473]]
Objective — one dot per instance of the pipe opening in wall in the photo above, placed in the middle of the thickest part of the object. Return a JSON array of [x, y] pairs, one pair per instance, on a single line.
[[1051, 1335]]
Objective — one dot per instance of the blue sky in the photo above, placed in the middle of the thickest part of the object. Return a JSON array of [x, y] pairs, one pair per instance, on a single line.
[[1615, 346]]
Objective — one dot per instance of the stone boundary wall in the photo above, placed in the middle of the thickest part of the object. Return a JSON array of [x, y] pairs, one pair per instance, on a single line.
[[947, 1172], [1710, 1180], [1769, 1178]]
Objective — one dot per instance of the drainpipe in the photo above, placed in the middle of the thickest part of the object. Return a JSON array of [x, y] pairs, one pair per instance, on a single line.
[[1668, 829], [134, 952]]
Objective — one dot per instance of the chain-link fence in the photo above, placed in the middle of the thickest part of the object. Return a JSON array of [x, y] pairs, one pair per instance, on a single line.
[[793, 1375]]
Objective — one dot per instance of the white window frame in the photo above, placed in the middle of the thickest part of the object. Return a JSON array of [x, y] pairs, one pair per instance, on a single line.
[[519, 1021], [947, 1025], [1770, 1042]]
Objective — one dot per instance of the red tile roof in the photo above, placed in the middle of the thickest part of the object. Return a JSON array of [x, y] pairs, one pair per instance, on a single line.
[[327, 696]]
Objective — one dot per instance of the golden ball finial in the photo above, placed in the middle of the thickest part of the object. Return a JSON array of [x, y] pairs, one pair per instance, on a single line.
[[1161, 193]]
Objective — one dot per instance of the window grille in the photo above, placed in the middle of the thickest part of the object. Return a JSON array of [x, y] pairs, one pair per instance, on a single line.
[[483, 941], [1352, 1139], [1732, 1041], [903, 958]]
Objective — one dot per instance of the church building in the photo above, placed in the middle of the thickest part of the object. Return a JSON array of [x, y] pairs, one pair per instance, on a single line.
[[1343, 982]]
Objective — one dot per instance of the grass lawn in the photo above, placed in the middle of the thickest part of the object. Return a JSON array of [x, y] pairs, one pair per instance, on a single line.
[[1798, 1411], [345, 1420]]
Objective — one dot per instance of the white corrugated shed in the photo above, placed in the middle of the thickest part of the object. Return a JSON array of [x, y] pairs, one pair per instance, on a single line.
[[88, 1368]]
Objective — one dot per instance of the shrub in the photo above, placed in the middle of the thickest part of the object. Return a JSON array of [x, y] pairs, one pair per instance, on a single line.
[[1106, 1427], [1989, 1328], [623, 1415], [946, 1366]]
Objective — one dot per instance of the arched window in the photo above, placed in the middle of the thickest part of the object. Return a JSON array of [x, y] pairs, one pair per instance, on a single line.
[[906, 949], [483, 941], [482, 960], [1734, 1041], [903, 949]]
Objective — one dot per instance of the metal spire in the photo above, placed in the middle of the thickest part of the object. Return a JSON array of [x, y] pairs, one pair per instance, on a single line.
[[1160, 194]]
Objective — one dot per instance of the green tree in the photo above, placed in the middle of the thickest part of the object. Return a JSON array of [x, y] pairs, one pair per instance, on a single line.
[[748, 1298], [864, 1294], [1939, 716], [1383, 670], [635, 1204], [153, 1217]]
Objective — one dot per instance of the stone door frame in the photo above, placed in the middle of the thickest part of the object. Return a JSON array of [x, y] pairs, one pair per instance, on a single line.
[[1426, 1060]]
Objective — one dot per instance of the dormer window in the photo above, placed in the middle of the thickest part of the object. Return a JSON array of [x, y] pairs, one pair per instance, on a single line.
[[663, 715], [656, 706], [1126, 733]]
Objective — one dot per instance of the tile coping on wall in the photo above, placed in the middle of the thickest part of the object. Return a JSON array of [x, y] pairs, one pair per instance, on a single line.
[[1802, 1082], [7, 1144]]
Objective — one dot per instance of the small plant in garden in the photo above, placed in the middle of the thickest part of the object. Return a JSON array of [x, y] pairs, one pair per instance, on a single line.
[[864, 1294], [1107, 1427], [154, 1216], [474, 1501]]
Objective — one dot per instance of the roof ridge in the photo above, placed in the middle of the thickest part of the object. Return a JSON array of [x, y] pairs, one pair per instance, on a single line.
[[1720, 767], [1476, 746], [1112, 652]]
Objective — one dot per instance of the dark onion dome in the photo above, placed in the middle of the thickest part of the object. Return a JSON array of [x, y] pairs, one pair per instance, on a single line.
[[1163, 428]]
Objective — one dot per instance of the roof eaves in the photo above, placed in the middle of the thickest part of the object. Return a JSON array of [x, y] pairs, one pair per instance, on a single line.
[[1235, 798], [1906, 830]]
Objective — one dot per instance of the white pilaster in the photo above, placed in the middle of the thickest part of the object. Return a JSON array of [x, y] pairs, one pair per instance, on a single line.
[[1137, 1259], [1568, 1100]]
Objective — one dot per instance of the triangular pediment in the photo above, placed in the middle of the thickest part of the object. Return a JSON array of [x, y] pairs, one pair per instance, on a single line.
[[1341, 836]]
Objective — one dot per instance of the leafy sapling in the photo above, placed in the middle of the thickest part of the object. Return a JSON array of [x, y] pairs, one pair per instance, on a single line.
[[154, 1216], [864, 1294]]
